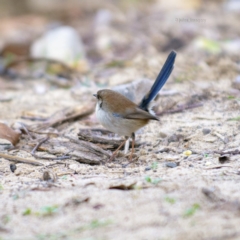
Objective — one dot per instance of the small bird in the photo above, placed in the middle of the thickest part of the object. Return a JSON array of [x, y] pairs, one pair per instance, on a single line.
[[122, 116]]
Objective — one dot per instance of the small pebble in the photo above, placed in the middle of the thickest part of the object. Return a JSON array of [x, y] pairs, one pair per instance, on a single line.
[[208, 163], [13, 167], [162, 135], [223, 159], [49, 176], [206, 131], [187, 153], [171, 164], [147, 169], [173, 138]]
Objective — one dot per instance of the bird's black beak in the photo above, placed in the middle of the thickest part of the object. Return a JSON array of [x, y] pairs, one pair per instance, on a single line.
[[95, 95]]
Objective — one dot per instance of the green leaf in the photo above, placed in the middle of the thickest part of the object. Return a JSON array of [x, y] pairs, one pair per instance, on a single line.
[[154, 165], [99, 223], [153, 181], [170, 200], [48, 210], [156, 181], [234, 119], [209, 45], [192, 210], [28, 211], [148, 179]]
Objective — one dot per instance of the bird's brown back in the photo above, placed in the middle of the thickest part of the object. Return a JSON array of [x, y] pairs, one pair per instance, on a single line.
[[119, 104]]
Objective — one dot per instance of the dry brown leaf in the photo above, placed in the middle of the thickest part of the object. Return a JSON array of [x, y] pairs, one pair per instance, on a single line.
[[123, 185], [8, 134]]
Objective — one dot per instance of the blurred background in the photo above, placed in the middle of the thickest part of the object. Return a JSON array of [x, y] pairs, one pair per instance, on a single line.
[[134, 37]]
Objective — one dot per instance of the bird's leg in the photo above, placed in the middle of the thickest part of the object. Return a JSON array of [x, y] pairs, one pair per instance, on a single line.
[[126, 147], [116, 151], [133, 143]]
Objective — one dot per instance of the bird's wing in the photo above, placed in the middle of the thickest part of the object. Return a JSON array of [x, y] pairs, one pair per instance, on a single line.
[[137, 113]]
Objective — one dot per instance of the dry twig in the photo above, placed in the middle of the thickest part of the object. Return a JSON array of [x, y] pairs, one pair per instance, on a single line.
[[46, 158], [87, 135], [230, 152], [21, 160], [67, 115], [90, 146], [109, 142]]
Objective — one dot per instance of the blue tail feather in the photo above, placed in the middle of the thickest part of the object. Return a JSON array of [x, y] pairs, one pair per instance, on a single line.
[[160, 81]]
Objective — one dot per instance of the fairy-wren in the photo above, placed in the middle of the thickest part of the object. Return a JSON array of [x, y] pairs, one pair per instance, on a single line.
[[122, 116]]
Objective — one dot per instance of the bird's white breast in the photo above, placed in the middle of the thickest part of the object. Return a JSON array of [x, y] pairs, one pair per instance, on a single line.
[[119, 125]]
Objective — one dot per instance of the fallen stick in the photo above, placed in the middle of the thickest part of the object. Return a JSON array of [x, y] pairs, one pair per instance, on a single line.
[[217, 166], [88, 135], [33, 152], [90, 146], [21, 160], [228, 152], [67, 115]]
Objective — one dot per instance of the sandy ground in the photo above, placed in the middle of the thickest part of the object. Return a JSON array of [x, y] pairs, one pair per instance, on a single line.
[[179, 186], [199, 199]]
